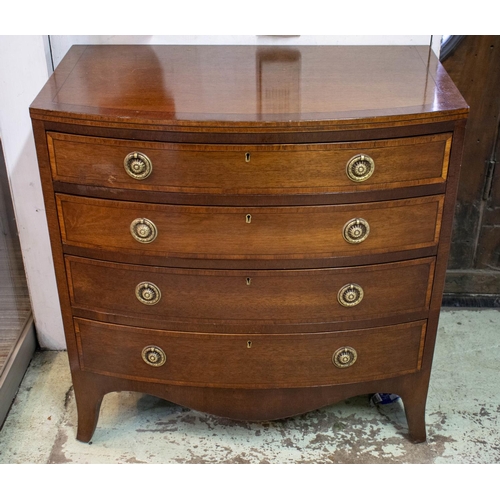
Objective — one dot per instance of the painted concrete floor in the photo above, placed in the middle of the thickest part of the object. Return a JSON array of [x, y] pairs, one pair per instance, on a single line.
[[463, 418]]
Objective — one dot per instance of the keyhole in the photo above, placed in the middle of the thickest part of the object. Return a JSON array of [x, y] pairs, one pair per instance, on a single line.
[[247, 157], [249, 218], [249, 280], [249, 344]]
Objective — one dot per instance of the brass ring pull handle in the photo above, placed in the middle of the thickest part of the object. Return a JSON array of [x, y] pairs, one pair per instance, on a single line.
[[360, 167], [356, 230], [138, 165], [148, 293], [154, 356], [350, 295], [143, 230], [344, 357]]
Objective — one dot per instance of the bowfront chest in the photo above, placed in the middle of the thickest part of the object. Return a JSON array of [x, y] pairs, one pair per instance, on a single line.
[[250, 232]]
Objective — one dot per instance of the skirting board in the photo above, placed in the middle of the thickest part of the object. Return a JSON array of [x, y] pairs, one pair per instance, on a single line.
[[16, 368], [471, 300]]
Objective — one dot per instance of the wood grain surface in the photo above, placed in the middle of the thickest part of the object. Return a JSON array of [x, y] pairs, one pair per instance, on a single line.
[[258, 297], [216, 87], [272, 169], [201, 359], [199, 232]]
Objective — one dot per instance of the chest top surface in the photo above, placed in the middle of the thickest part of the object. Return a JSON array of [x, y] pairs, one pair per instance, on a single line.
[[250, 86]]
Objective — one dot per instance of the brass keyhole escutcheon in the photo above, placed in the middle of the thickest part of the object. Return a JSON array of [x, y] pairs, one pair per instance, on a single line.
[[249, 280], [248, 218], [249, 344], [247, 157]]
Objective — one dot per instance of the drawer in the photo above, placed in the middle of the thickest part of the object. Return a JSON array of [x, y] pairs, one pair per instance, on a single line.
[[249, 232], [256, 297], [251, 361], [249, 169]]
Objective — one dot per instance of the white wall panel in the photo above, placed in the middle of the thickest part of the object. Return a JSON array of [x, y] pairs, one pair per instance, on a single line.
[[62, 43], [25, 70]]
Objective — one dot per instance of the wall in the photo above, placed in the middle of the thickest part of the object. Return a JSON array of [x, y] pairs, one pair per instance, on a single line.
[[61, 43], [26, 64]]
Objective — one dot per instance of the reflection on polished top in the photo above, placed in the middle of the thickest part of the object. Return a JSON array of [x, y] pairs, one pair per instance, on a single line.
[[250, 85]]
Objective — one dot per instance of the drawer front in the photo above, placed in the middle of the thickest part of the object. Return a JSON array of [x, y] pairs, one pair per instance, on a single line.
[[257, 297], [255, 232], [252, 361], [249, 169]]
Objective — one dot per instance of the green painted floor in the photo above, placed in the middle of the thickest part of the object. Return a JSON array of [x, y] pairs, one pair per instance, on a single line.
[[463, 418]]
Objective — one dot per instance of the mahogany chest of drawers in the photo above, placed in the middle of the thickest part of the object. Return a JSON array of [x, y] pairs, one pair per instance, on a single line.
[[251, 232]]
